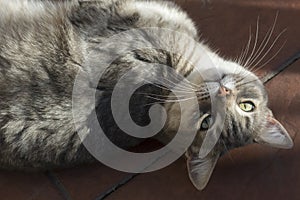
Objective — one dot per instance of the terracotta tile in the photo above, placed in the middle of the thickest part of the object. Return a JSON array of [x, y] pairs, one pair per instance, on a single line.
[[88, 182], [27, 186]]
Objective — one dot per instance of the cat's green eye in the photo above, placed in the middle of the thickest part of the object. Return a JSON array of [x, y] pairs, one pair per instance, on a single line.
[[247, 106], [205, 123]]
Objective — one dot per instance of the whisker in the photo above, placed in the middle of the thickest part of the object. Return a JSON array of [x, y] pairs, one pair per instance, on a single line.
[[163, 96], [173, 101], [162, 101], [180, 84], [255, 43], [172, 84], [243, 73], [265, 42], [271, 47], [167, 88], [264, 64], [244, 83], [246, 51], [154, 103], [183, 81]]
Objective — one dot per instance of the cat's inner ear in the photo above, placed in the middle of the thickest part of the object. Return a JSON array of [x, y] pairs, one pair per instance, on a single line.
[[200, 170], [275, 135]]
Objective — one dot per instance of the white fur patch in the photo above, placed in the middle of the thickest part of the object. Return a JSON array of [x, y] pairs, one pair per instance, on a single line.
[[21, 7], [156, 10]]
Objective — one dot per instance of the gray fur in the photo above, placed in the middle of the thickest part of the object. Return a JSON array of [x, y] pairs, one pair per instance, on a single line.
[[44, 44]]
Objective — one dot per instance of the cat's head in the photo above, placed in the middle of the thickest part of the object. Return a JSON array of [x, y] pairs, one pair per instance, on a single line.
[[242, 98]]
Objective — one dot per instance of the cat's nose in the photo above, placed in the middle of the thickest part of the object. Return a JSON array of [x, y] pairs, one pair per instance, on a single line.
[[223, 91]]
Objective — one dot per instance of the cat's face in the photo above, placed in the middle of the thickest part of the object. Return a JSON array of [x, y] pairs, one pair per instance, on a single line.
[[247, 119], [245, 102]]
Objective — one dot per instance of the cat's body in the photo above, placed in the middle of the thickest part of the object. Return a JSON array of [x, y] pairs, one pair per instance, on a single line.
[[43, 45]]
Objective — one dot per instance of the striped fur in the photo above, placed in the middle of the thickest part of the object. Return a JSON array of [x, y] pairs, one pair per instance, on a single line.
[[44, 44]]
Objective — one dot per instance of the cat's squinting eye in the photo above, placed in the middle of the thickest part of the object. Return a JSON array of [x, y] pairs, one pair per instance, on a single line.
[[247, 106], [205, 123]]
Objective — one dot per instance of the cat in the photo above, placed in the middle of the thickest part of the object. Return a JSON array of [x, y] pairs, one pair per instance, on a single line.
[[44, 45]]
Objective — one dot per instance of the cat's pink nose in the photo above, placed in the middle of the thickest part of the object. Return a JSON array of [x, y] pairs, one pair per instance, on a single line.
[[223, 91]]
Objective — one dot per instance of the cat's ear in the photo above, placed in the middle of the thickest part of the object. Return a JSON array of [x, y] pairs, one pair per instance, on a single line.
[[274, 134], [200, 170]]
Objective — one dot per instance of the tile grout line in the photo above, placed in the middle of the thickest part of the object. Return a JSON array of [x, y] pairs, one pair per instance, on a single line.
[[281, 68], [116, 187], [58, 184], [127, 180]]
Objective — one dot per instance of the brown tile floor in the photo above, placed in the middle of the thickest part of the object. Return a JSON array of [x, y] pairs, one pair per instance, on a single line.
[[253, 172], [16, 185]]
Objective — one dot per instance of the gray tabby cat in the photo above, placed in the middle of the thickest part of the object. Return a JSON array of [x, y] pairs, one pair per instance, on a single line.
[[44, 44]]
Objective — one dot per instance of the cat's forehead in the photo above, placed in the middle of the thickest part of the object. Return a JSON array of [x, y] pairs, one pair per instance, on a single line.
[[245, 82], [248, 86], [251, 90]]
